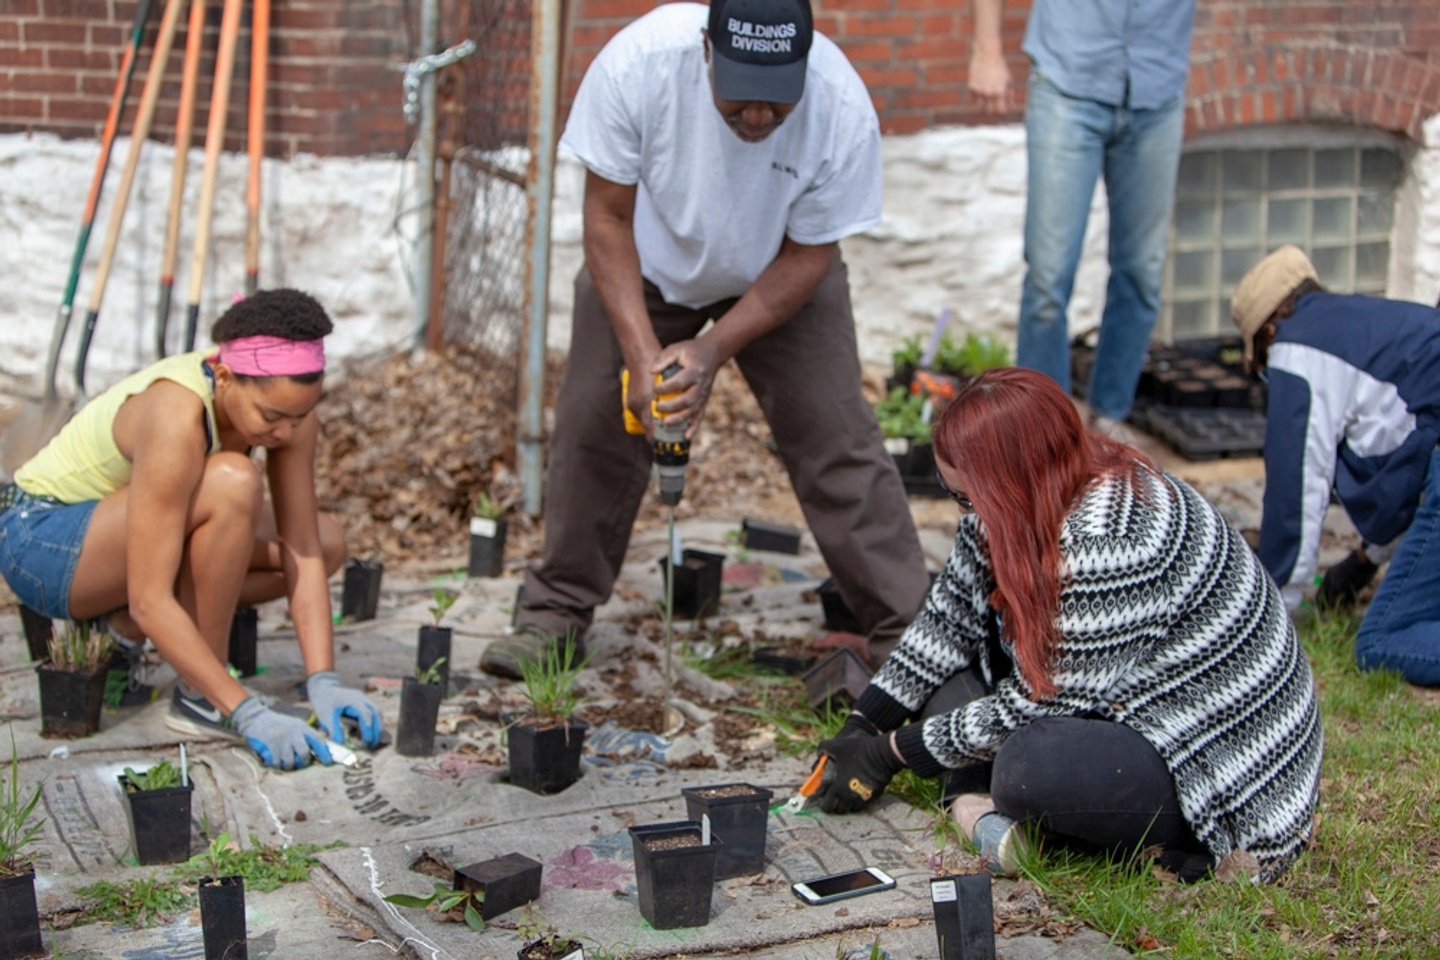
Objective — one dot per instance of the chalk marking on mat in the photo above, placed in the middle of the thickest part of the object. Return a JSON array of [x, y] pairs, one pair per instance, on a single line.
[[392, 910], [269, 807]]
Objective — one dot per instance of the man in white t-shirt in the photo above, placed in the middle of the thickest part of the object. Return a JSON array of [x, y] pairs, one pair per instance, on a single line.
[[727, 150]]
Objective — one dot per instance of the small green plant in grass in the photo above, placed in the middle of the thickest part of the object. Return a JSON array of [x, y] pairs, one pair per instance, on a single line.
[[76, 646], [872, 952], [551, 682], [19, 829], [459, 905], [430, 674], [161, 776], [541, 936], [133, 903], [440, 603], [263, 866]]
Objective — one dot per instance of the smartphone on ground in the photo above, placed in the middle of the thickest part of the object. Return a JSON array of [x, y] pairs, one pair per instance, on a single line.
[[840, 886]]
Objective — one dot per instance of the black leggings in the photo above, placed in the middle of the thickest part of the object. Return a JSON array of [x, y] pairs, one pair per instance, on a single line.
[[1092, 783]]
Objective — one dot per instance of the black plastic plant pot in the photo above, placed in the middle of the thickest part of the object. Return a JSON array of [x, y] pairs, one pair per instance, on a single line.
[[70, 702], [546, 759], [159, 822], [697, 583], [792, 663], [836, 681], [38, 631], [244, 634], [551, 949], [419, 708], [838, 615], [674, 873], [507, 882], [775, 537], [432, 645], [739, 814], [964, 916], [361, 594], [19, 918], [487, 546], [222, 918]]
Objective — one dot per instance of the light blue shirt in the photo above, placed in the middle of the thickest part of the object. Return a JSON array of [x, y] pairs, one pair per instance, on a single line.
[[1130, 53]]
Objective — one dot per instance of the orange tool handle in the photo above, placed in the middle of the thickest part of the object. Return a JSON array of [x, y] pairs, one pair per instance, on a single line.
[[812, 782]]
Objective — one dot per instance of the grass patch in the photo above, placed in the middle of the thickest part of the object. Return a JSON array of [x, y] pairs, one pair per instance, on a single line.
[[134, 903], [1367, 887]]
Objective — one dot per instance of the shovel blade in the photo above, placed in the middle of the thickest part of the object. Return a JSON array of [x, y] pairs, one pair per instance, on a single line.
[[33, 427]]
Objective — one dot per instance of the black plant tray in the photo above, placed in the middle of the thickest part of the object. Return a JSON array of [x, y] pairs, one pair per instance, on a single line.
[[1205, 434]]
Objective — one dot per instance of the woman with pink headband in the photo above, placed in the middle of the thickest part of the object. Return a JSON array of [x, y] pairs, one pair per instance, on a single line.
[[146, 511]]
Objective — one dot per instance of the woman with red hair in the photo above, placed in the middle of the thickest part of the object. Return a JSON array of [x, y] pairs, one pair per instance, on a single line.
[[1103, 660]]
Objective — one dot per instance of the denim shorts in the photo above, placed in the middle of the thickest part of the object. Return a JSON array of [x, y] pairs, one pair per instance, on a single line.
[[40, 544]]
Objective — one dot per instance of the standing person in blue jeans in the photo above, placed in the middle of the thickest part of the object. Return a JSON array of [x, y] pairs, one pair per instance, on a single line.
[[1106, 98], [1353, 400]]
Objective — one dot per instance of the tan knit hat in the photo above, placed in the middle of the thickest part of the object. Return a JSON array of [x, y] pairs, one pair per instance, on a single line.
[[1261, 291]]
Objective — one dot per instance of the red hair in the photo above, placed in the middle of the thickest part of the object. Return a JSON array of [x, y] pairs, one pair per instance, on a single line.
[[1024, 459]]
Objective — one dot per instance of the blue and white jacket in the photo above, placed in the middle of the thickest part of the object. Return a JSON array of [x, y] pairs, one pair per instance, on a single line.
[[1354, 398]]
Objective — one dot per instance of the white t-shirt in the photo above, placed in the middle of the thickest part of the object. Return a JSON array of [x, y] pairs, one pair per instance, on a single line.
[[711, 210]]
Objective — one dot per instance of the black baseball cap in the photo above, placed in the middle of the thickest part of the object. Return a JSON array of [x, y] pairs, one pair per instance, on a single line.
[[760, 47]]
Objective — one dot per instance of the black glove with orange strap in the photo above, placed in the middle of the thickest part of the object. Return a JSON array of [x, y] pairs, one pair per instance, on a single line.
[[862, 764]]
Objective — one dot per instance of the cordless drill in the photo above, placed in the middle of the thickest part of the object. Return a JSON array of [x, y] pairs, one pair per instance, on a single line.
[[672, 448]]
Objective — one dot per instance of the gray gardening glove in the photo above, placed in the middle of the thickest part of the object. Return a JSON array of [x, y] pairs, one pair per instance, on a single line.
[[279, 740], [330, 701]]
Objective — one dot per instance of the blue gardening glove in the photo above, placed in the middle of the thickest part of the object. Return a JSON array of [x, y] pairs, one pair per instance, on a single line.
[[279, 740], [331, 701], [864, 766]]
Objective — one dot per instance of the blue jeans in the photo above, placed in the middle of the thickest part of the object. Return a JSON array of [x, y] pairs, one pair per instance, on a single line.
[[1070, 143], [1401, 630]]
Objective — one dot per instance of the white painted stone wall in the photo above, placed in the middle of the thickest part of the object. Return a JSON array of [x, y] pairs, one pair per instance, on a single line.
[[343, 229]]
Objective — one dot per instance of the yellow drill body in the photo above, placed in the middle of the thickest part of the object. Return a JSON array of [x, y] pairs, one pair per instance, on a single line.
[[671, 446]]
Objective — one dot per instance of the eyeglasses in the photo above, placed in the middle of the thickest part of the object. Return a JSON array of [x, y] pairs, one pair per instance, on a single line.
[[964, 502]]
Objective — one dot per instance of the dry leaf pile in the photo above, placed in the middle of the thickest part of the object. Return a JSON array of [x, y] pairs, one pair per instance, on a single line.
[[410, 440]]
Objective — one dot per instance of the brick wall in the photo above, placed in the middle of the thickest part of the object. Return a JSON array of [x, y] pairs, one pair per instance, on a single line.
[[333, 86], [335, 89]]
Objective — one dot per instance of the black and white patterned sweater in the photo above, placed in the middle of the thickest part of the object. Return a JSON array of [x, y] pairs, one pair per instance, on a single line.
[[1169, 625]]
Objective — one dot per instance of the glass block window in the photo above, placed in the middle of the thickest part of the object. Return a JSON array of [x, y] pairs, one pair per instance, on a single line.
[[1234, 202]]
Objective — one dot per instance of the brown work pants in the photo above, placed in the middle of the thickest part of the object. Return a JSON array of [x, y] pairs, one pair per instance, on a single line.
[[805, 375]]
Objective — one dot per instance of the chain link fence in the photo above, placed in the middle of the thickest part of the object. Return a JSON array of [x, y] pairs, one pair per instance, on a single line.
[[484, 117]]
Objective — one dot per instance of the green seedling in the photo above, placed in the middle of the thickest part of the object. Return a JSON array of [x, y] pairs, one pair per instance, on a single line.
[[550, 682], [161, 776], [458, 905], [77, 647], [18, 830], [487, 508], [441, 602], [430, 674], [534, 930]]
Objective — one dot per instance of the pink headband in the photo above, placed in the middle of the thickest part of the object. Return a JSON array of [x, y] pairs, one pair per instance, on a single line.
[[264, 356]]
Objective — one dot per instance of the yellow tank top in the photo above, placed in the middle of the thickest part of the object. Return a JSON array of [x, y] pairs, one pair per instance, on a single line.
[[83, 462]]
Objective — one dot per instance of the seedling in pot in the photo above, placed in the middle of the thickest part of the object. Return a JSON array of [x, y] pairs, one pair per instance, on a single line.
[[161, 776], [459, 905], [543, 941], [487, 507], [442, 601], [550, 682], [18, 833], [78, 647], [429, 675]]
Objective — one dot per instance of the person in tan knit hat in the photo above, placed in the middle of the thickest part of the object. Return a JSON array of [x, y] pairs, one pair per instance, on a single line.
[[1353, 402], [1273, 282]]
